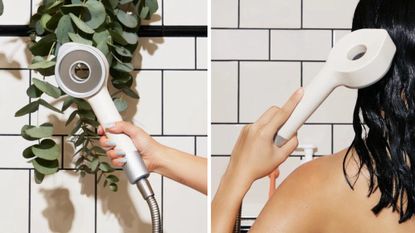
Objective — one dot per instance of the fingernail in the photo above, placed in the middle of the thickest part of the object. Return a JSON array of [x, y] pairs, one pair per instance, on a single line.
[[120, 153], [110, 143], [121, 160], [109, 125]]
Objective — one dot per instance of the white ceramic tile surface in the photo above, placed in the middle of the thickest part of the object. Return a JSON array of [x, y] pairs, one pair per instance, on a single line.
[[342, 137], [63, 203], [224, 13], [224, 91], [264, 84], [300, 44], [318, 135], [18, 81], [125, 210], [224, 138], [185, 102], [202, 146], [14, 201], [270, 13], [165, 53], [16, 12], [202, 53], [13, 147], [331, 110], [338, 34], [239, 44], [156, 18], [14, 53], [185, 12], [328, 14]]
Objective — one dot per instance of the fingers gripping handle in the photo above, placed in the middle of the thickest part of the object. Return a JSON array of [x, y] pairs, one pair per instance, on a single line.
[[318, 89], [107, 114]]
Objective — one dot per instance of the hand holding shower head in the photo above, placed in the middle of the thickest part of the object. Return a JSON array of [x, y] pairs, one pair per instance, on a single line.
[[358, 60], [82, 72]]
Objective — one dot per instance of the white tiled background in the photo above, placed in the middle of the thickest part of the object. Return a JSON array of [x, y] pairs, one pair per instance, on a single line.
[[171, 79], [261, 52]]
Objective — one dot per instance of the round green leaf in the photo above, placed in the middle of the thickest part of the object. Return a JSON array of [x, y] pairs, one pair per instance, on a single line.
[[39, 177], [43, 46], [45, 19], [63, 28], [28, 153], [113, 187], [105, 167], [75, 8], [47, 150], [78, 39], [122, 51], [45, 167], [124, 67], [47, 88], [117, 37], [81, 25], [43, 131], [112, 179], [33, 91], [97, 13], [130, 37], [127, 19], [120, 104], [25, 135]]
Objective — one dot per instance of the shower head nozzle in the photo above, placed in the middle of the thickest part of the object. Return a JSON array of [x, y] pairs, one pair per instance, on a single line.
[[81, 70]]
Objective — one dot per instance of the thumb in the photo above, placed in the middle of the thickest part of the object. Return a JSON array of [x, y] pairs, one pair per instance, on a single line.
[[124, 127]]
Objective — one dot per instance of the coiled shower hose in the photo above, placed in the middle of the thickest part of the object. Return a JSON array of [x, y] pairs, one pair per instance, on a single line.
[[237, 226], [147, 192]]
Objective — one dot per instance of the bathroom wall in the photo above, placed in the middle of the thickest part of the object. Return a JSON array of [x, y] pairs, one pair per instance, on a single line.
[[261, 52], [171, 78]]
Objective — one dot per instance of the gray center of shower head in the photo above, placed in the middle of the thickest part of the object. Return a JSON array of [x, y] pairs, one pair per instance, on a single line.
[[80, 73]]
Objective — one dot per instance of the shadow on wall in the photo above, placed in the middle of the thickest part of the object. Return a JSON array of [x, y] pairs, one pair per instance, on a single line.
[[60, 210]]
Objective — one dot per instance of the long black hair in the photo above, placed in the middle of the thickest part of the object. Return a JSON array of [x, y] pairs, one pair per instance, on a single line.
[[384, 115]]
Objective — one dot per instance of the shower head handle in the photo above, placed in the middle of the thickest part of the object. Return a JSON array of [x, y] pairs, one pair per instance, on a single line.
[[358, 60]]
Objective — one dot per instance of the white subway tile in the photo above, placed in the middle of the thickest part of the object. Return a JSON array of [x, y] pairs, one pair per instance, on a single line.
[[300, 44], [338, 34], [13, 147], [239, 44], [165, 53], [339, 105], [156, 18], [14, 53], [257, 195], [224, 13], [202, 146], [223, 138], [328, 14], [146, 112], [343, 136], [224, 91], [14, 191], [202, 55], [182, 203], [16, 12], [64, 202], [13, 85], [271, 13], [264, 84], [125, 210], [185, 102], [318, 135], [185, 12], [185, 144]]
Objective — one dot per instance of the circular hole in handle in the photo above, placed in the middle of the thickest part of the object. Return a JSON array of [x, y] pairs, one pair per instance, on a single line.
[[80, 71], [357, 52]]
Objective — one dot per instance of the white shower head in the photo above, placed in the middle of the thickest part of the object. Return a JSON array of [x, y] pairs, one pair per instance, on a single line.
[[358, 60]]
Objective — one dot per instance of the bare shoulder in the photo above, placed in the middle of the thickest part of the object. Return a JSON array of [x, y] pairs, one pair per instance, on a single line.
[[312, 188]]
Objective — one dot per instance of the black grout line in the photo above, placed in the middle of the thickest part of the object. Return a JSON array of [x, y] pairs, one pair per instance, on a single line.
[[280, 29], [162, 102], [332, 139], [302, 74], [153, 135], [162, 202], [228, 155], [161, 69], [332, 38], [302, 15], [162, 12], [239, 14], [30, 83], [195, 53], [307, 123], [269, 44], [264, 60], [238, 91], [195, 145], [30, 202], [95, 203], [62, 151]]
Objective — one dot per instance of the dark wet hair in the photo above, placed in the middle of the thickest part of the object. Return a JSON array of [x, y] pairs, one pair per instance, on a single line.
[[384, 115]]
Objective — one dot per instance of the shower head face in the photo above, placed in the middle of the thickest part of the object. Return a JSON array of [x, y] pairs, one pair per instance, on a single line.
[[81, 70], [362, 57]]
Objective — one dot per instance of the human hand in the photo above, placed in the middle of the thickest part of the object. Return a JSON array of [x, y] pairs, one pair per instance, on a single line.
[[255, 155], [149, 148]]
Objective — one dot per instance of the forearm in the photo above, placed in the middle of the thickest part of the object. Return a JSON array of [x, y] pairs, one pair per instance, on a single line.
[[187, 169], [227, 202]]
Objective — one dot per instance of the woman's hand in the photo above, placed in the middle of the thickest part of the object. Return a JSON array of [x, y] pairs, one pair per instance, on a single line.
[[255, 155], [150, 150]]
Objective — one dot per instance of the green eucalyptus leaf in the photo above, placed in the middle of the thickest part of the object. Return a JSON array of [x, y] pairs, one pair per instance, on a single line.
[[120, 104], [39, 177], [48, 105], [112, 179], [145, 11], [43, 131], [28, 153], [68, 101], [117, 37], [122, 51], [81, 25], [103, 47], [47, 88], [64, 27], [71, 117], [127, 19], [45, 19], [39, 28], [75, 1], [153, 5], [97, 13], [74, 8], [53, 22], [33, 91], [45, 167], [78, 39], [101, 36], [113, 187], [46, 68], [122, 2], [47, 150], [105, 167], [43, 46], [25, 135], [1, 7], [29, 108], [54, 6], [130, 37], [111, 3], [94, 164], [123, 67], [130, 93]]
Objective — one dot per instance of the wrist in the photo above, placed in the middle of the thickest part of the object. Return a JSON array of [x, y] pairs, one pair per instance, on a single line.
[[238, 181]]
